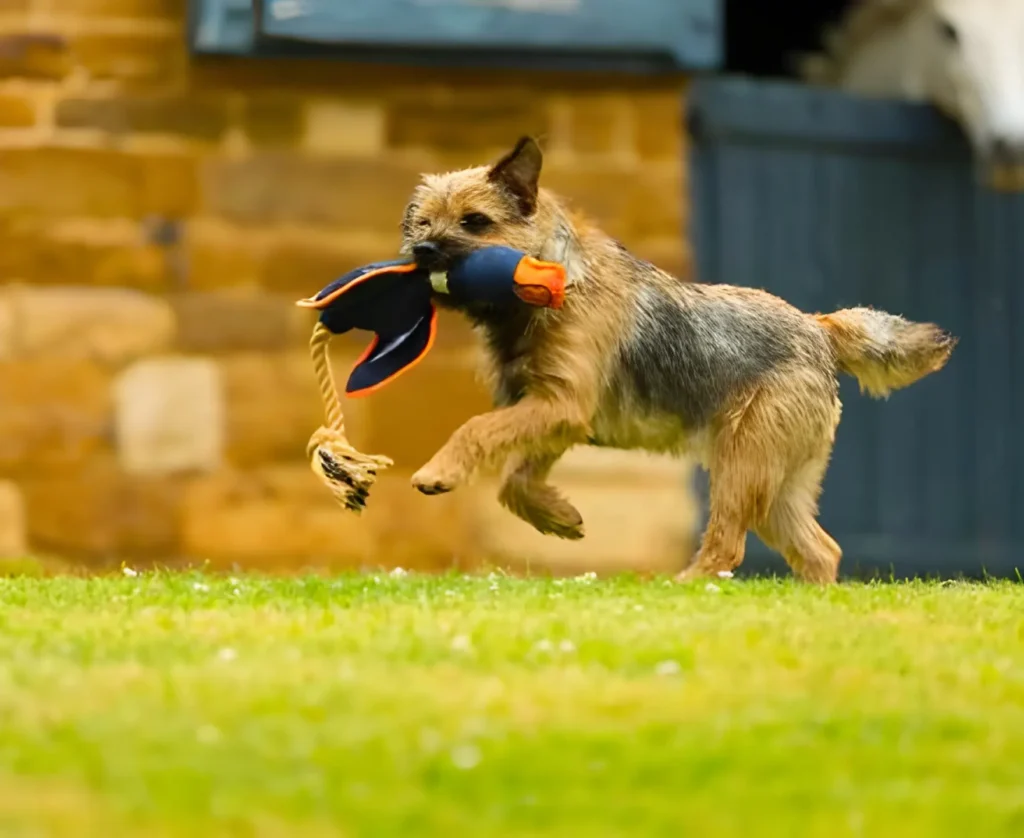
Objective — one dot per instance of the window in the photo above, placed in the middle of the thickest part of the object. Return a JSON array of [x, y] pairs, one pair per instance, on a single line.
[[646, 36]]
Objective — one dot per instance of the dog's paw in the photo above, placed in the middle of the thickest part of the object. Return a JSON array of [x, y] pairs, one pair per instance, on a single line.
[[559, 518], [570, 532], [690, 574], [433, 481], [567, 523], [543, 508], [696, 572], [431, 487]]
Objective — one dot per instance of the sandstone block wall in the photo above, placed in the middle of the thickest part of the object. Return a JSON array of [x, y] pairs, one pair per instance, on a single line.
[[159, 215]]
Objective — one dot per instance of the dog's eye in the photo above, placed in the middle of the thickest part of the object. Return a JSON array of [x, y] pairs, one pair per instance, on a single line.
[[423, 222], [948, 31], [475, 222]]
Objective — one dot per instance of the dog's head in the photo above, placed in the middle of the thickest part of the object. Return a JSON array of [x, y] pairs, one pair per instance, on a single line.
[[453, 214]]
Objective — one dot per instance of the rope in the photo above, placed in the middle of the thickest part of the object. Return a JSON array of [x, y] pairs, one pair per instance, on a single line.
[[346, 472], [318, 346]]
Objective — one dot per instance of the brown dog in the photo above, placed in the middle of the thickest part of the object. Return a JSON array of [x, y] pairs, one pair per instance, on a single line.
[[638, 359]]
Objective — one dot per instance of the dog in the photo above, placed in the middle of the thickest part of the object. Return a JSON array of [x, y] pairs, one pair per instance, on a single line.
[[639, 359]]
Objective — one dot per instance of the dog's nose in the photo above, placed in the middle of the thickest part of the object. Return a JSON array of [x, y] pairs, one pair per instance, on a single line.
[[428, 255]]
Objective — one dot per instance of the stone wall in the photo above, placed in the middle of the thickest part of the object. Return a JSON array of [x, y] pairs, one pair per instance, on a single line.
[[160, 214]]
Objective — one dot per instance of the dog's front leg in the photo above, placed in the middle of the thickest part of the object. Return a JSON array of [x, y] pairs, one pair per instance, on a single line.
[[526, 493], [533, 425]]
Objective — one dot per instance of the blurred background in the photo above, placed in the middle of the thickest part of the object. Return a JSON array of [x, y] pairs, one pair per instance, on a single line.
[[160, 212], [174, 175]]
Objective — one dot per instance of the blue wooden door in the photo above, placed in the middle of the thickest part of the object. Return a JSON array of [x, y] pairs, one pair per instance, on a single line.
[[829, 202]]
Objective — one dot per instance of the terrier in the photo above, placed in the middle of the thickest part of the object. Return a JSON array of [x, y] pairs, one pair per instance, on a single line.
[[639, 359]]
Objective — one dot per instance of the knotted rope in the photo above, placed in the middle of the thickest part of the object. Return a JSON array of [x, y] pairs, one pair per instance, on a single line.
[[346, 472]]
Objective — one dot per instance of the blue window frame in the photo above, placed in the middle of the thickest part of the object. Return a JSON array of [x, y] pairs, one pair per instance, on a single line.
[[641, 36]]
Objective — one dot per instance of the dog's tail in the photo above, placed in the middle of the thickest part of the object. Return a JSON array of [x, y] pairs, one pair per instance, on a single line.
[[884, 352]]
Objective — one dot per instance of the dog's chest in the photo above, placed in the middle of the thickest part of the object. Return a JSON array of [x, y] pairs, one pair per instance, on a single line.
[[509, 345], [621, 422]]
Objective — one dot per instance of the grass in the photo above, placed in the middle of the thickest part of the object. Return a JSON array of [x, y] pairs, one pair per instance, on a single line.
[[189, 705]]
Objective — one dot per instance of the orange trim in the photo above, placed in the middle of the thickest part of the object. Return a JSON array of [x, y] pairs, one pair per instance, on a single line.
[[538, 274], [373, 388], [313, 302]]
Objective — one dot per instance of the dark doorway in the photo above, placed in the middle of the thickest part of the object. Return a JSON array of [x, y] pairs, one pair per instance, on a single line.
[[762, 37]]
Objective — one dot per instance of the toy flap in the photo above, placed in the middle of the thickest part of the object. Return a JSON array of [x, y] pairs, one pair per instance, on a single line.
[[390, 299], [391, 354]]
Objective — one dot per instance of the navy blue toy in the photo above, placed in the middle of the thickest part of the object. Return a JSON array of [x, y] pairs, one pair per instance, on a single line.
[[393, 300]]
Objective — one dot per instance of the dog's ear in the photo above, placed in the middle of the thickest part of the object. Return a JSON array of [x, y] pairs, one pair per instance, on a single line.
[[519, 173]]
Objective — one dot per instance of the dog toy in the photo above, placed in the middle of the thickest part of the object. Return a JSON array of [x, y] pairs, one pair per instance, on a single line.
[[393, 300]]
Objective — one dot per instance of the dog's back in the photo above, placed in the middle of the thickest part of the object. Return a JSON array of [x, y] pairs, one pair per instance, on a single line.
[[685, 353]]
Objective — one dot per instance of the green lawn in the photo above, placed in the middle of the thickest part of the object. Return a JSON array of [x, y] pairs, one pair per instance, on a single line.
[[189, 705]]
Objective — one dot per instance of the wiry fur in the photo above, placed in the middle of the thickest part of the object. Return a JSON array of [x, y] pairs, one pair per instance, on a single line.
[[637, 359], [882, 351]]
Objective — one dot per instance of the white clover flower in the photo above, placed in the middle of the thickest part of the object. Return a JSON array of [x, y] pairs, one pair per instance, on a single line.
[[667, 668], [466, 757]]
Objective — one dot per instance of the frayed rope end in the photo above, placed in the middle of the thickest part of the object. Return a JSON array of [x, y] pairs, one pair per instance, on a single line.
[[348, 474]]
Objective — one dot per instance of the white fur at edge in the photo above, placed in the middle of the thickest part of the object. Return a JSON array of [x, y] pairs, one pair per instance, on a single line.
[[978, 81]]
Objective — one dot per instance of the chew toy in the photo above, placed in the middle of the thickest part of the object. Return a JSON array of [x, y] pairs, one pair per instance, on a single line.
[[393, 300]]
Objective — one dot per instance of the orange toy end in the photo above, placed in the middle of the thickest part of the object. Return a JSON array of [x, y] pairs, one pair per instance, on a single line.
[[540, 283]]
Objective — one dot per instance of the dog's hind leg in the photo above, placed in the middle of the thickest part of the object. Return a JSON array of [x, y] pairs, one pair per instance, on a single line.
[[746, 469], [792, 528], [525, 493], [733, 502]]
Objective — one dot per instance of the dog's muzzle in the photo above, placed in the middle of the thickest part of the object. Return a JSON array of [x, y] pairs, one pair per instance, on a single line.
[[429, 255]]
